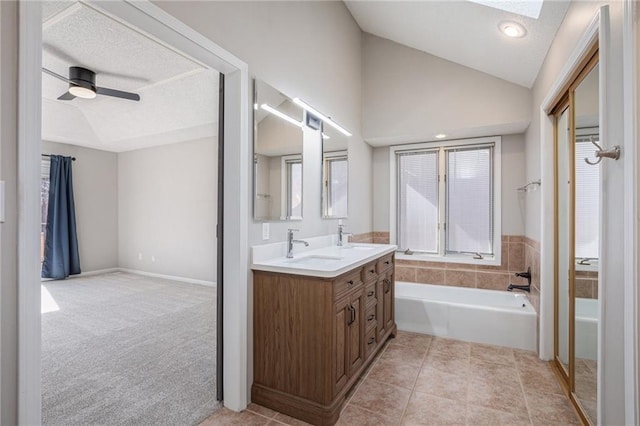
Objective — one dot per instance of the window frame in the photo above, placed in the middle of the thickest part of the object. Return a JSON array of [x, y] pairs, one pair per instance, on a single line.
[[442, 146], [286, 185], [327, 159]]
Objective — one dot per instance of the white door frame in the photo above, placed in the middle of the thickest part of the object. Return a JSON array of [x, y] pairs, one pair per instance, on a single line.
[[159, 24]]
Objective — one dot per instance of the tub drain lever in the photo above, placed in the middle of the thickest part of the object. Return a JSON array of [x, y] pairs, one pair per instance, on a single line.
[[526, 275]]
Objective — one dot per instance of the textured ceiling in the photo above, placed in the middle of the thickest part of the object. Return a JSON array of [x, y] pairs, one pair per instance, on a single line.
[[465, 33], [179, 96]]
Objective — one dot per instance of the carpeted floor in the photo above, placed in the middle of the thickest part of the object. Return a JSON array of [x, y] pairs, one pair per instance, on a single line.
[[125, 349]]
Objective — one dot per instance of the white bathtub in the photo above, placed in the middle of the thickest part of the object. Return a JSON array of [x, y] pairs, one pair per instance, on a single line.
[[587, 328], [482, 316]]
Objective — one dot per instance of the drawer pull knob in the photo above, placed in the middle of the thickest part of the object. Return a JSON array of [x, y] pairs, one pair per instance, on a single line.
[[371, 293], [371, 317], [350, 282], [387, 262], [372, 271], [371, 341]]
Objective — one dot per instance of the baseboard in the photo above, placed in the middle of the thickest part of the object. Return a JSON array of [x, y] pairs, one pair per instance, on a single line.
[[168, 277], [96, 272]]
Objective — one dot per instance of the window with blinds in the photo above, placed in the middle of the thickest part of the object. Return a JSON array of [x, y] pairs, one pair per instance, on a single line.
[[418, 201], [446, 200], [469, 211], [337, 186], [587, 208]]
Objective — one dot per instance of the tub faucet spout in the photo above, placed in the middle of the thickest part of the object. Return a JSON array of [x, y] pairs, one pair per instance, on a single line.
[[519, 287], [526, 275]]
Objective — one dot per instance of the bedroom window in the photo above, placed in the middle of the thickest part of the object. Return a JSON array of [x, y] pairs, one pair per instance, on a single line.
[[44, 202], [447, 207]]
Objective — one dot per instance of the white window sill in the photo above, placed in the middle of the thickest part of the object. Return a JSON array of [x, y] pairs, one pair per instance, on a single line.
[[488, 261]]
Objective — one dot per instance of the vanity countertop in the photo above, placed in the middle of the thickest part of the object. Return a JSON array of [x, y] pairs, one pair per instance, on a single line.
[[325, 262]]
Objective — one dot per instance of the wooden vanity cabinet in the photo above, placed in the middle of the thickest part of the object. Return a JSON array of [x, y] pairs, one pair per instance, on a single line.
[[313, 337]]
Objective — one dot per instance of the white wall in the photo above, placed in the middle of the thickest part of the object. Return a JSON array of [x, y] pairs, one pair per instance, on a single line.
[[310, 50], [410, 96], [9, 229], [512, 162], [95, 189], [167, 209]]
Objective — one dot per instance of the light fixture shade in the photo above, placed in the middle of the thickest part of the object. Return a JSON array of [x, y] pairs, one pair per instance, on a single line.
[[82, 92]]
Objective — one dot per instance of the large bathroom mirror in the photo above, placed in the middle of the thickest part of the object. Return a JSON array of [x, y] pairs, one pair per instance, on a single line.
[[277, 155], [335, 173], [577, 233]]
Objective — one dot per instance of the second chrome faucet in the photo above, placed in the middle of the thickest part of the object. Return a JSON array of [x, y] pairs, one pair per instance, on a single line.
[[291, 241]]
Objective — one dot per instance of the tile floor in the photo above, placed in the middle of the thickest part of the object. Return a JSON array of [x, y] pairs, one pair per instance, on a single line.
[[423, 380]]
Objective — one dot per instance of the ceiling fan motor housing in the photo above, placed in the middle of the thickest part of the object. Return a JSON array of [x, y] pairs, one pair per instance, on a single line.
[[83, 77]]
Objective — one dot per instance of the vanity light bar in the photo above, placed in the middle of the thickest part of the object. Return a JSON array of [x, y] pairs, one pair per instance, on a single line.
[[325, 136], [323, 117], [282, 115]]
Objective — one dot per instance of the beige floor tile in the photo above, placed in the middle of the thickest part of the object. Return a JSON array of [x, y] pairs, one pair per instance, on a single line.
[[288, 420], [482, 416], [356, 416], [404, 355], [591, 407], [587, 388], [540, 381], [225, 416], [395, 373], [424, 409], [447, 363], [443, 385], [493, 354], [413, 340], [497, 396], [381, 398], [449, 347], [547, 409], [263, 411], [493, 373]]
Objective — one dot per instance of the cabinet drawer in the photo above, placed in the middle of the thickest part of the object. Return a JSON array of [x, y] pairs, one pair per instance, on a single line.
[[385, 263], [347, 283], [370, 295], [369, 272], [371, 317], [370, 343]]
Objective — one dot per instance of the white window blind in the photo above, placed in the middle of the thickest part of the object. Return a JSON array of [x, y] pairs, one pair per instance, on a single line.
[[469, 196], [294, 188], [418, 201], [337, 186], [587, 203]]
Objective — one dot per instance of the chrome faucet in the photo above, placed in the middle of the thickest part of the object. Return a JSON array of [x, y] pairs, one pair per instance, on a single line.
[[290, 242], [342, 234]]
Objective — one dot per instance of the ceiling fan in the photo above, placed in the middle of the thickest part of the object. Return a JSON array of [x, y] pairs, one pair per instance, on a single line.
[[82, 84]]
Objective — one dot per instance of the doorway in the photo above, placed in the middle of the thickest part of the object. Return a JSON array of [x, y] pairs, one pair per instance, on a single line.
[[156, 23]]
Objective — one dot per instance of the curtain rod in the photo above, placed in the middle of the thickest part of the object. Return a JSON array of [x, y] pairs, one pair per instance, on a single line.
[[49, 155]]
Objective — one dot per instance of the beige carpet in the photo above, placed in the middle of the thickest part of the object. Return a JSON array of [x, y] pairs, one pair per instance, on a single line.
[[123, 349]]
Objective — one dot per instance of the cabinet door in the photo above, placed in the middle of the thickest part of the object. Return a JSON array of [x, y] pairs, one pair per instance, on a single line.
[[342, 317], [356, 331], [380, 327], [388, 300]]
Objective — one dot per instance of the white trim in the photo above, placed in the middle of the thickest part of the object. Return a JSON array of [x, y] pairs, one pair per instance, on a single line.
[[85, 274], [441, 146], [163, 276], [29, 149], [150, 18], [632, 229], [547, 249]]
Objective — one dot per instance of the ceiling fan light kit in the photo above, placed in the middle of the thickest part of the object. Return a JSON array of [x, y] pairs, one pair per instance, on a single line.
[[82, 84]]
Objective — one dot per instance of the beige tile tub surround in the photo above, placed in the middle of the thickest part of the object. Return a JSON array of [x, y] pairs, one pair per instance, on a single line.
[[424, 380], [517, 254]]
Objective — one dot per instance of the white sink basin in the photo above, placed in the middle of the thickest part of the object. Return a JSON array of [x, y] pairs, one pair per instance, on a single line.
[[352, 247], [315, 261]]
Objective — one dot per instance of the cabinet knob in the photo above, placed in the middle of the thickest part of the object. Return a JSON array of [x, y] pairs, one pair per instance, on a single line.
[[372, 271], [371, 341], [371, 293], [371, 317], [350, 282]]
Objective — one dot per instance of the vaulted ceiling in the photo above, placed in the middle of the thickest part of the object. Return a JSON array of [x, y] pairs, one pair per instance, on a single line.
[[467, 32], [179, 96]]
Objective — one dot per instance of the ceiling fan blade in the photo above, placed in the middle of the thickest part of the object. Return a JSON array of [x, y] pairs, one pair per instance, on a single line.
[[117, 93], [56, 75], [67, 96]]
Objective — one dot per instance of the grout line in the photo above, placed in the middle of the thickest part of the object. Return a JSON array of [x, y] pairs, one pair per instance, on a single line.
[[413, 388], [524, 396]]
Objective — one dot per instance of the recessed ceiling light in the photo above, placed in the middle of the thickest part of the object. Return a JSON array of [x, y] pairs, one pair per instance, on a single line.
[[512, 29], [441, 136]]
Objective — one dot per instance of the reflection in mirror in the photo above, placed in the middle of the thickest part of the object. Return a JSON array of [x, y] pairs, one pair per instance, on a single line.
[[335, 173], [564, 262], [277, 155], [587, 230]]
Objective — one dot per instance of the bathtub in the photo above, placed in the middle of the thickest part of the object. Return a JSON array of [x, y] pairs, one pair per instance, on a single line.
[[482, 316], [586, 328]]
